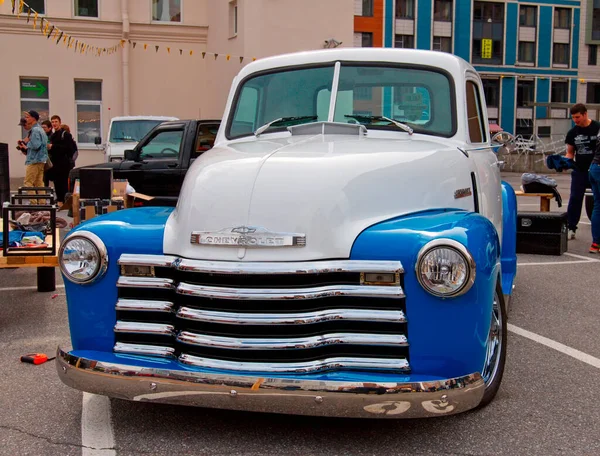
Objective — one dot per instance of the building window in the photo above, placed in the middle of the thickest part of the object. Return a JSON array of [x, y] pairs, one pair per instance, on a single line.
[[559, 92], [39, 6], [528, 16], [233, 18], [593, 54], [405, 9], [166, 10], [442, 43], [488, 32], [596, 20], [404, 41], [525, 93], [35, 95], [366, 39], [475, 114], [367, 8], [593, 92], [491, 91], [526, 52], [562, 18], [86, 8], [88, 104], [442, 10], [560, 53]]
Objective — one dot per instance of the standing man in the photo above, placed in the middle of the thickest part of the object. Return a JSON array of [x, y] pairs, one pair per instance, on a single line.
[[37, 152], [595, 183], [581, 143]]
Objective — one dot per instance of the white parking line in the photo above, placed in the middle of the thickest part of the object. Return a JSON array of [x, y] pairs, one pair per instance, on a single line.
[[24, 288], [552, 263], [578, 355], [592, 260], [96, 427]]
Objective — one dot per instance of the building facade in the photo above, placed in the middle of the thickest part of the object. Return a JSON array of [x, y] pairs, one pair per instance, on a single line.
[[535, 57], [157, 57]]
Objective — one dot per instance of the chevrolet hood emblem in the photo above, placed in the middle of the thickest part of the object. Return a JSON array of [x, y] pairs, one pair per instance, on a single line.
[[248, 236]]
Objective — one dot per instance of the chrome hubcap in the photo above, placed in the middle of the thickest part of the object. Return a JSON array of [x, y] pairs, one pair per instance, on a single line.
[[494, 344]]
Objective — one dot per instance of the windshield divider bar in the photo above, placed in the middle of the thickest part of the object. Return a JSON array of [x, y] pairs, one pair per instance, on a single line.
[[334, 91]]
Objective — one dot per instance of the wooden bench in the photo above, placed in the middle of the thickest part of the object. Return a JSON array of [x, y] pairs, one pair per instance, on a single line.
[[45, 264], [544, 199]]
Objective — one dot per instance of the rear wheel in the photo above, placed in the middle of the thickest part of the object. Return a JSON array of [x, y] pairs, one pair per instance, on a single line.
[[589, 205], [495, 358]]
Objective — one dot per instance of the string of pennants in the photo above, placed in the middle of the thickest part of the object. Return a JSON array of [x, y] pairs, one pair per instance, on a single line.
[[51, 31]]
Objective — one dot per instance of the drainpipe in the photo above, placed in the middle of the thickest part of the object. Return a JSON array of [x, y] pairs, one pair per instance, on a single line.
[[125, 56]]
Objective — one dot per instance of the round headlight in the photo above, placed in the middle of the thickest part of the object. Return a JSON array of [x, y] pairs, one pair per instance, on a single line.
[[445, 268], [83, 257]]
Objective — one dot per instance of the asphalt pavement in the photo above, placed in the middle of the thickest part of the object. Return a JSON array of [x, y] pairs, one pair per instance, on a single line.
[[545, 406]]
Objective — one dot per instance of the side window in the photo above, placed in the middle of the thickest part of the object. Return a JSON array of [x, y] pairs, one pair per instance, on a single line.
[[206, 137], [245, 115], [165, 144], [477, 133]]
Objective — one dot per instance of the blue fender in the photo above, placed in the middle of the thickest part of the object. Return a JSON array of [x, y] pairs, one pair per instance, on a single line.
[[509, 238], [447, 336], [91, 307]]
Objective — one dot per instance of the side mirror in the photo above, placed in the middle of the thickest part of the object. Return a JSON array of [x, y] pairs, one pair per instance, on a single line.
[[503, 137], [132, 155], [97, 140]]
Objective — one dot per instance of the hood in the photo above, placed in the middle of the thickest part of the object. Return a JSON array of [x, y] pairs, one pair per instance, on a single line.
[[328, 188], [118, 149]]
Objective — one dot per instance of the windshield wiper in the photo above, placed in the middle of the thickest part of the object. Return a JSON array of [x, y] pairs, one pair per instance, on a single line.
[[400, 125], [282, 120]]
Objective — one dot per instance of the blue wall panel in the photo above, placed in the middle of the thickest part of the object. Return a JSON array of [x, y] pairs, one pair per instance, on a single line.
[[573, 96], [511, 33], [545, 36], [462, 30], [424, 24], [575, 48], [388, 26], [542, 95], [507, 117]]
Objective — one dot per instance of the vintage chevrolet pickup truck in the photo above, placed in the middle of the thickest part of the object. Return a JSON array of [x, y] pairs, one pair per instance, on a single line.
[[347, 248]]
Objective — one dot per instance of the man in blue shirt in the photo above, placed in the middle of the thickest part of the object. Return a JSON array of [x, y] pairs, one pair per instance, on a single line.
[[37, 152]]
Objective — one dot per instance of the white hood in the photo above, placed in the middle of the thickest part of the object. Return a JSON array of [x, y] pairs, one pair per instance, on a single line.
[[328, 187]]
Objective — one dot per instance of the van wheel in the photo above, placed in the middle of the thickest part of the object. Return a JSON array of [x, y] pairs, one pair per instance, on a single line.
[[589, 205], [495, 358]]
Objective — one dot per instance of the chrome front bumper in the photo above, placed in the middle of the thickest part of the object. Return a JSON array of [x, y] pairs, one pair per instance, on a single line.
[[273, 395]]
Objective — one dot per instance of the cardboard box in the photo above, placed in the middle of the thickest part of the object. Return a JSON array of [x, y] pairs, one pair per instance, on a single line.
[[130, 200]]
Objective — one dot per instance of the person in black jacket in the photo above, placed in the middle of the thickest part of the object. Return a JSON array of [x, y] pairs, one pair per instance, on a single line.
[[61, 146], [47, 127]]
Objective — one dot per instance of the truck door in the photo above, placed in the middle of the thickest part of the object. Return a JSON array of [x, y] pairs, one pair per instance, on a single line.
[[487, 174], [158, 171]]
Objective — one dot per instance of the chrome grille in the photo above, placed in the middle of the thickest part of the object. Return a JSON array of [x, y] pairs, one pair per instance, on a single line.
[[273, 317]]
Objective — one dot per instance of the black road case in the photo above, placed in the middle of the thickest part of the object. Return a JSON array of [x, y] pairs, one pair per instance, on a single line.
[[542, 233]]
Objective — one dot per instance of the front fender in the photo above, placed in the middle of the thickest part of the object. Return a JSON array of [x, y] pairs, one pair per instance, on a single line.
[[91, 307], [447, 336]]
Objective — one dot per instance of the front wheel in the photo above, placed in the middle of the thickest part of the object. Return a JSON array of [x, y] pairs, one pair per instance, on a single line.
[[495, 358]]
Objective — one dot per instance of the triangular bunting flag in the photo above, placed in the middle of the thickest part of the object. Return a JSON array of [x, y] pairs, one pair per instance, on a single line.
[[241, 59], [168, 50], [156, 47], [216, 55], [28, 15], [191, 52], [228, 57], [180, 51], [145, 47], [35, 16], [134, 44], [50, 33], [203, 54], [59, 37]]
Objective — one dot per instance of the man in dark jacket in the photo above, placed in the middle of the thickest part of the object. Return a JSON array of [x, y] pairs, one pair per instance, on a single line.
[[62, 150]]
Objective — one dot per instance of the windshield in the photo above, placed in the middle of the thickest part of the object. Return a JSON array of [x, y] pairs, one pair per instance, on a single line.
[[379, 96], [131, 130]]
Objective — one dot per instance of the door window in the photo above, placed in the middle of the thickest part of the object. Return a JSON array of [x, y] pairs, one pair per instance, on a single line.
[[166, 144], [206, 137], [475, 114]]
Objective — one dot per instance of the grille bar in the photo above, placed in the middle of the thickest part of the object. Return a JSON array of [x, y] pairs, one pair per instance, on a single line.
[[143, 349], [244, 268], [302, 318], [201, 340], [145, 282], [130, 327], [362, 291], [378, 364], [143, 305]]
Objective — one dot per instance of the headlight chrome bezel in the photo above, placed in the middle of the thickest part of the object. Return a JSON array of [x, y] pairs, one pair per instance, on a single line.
[[101, 250], [458, 248]]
